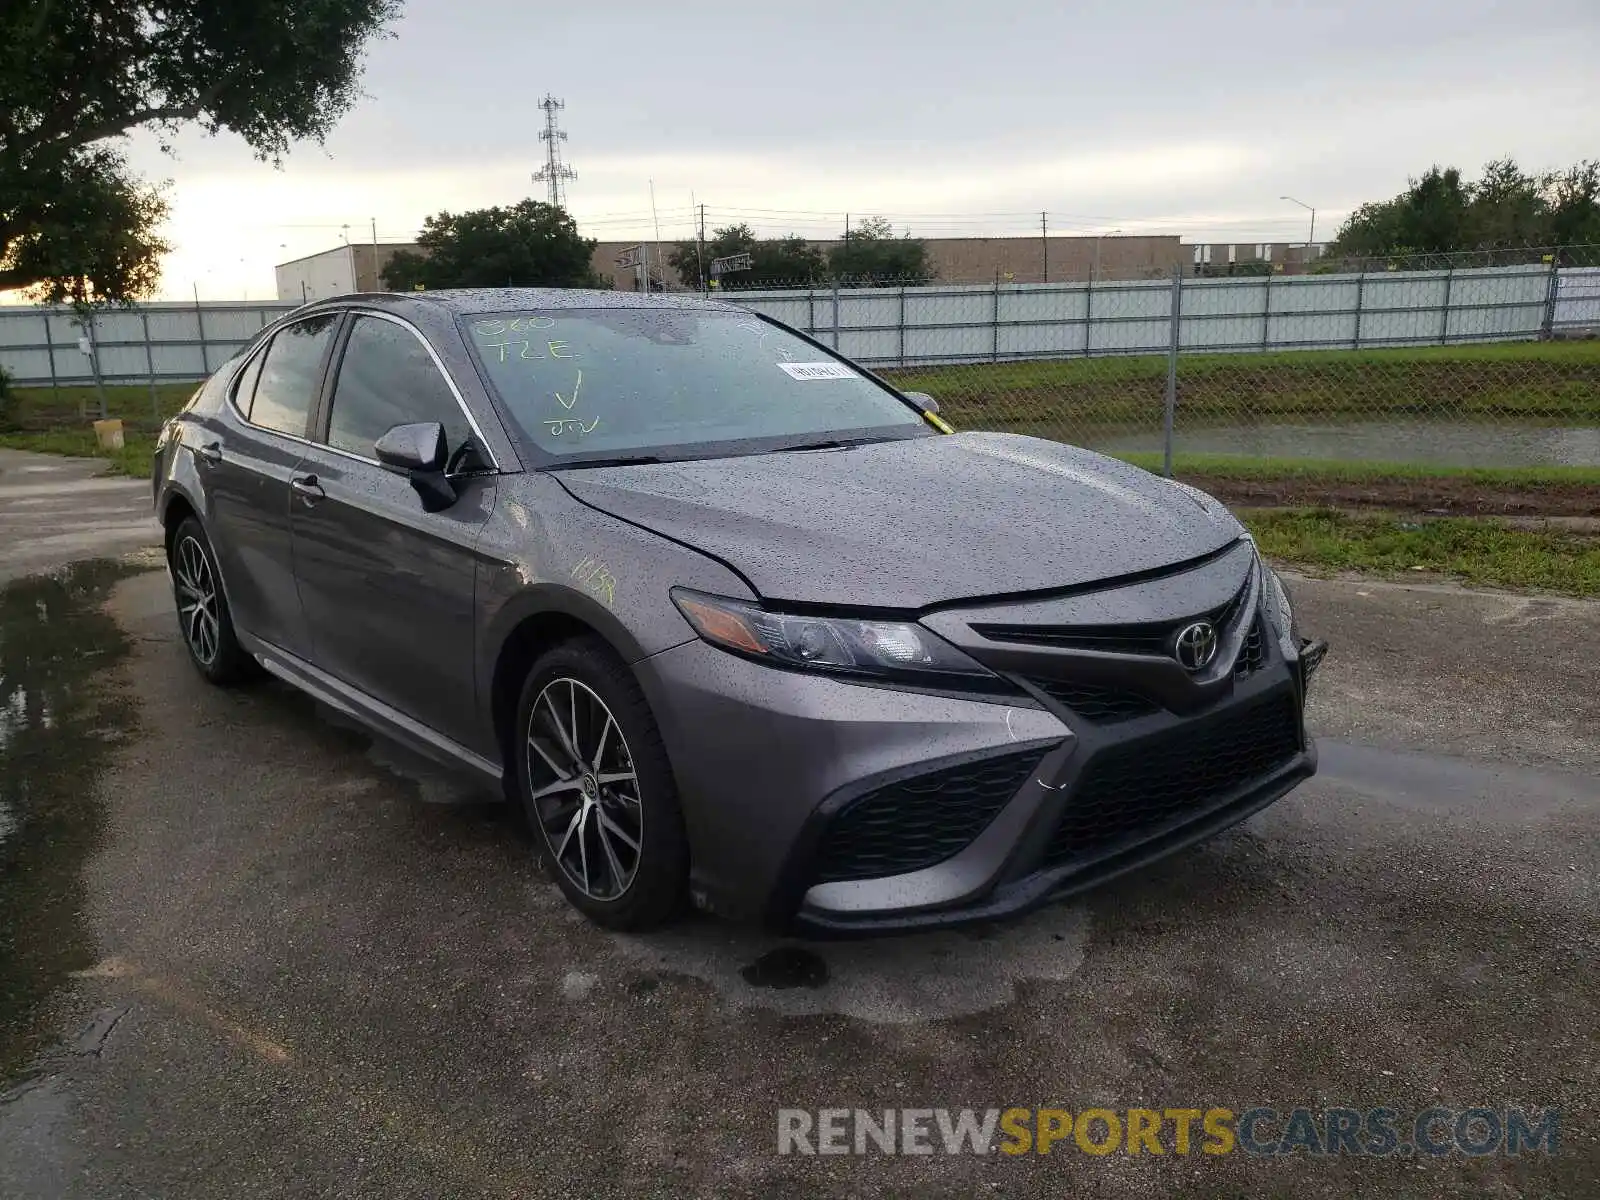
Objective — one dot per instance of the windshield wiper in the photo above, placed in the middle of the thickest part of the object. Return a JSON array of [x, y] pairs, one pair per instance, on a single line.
[[620, 460], [825, 444]]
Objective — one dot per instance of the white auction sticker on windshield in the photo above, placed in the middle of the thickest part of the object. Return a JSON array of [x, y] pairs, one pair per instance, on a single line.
[[822, 370]]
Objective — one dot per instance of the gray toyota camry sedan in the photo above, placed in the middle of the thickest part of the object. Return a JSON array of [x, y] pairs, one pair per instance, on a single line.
[[732, 620]]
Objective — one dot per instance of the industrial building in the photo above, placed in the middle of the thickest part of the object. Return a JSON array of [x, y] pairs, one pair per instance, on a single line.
[[357, 267]]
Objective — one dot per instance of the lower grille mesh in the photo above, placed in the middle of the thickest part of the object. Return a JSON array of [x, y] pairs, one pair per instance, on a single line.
[[1094, 702], [919, 821], [1142, 785]]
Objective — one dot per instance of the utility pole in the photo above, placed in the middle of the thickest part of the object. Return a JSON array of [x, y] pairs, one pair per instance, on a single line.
[[554, 172], [1311, 237], [700, 251], [1044, 243]]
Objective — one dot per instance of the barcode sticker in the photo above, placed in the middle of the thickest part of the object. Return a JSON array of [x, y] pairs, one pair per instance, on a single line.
[[821, 370]]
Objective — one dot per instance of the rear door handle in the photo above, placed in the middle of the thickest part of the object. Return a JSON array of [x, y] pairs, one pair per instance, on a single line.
[[305, 486], [210, 453]]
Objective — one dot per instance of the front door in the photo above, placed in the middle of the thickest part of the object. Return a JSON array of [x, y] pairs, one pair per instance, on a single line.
[[388, 588], [247, 457]]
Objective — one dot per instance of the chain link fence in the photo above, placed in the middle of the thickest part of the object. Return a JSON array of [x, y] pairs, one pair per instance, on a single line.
[[1490, 358], [1467, 361]]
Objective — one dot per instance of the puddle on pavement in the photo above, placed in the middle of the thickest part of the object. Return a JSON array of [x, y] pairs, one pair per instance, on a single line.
[[787, 967], [899, 980], [58, 728]]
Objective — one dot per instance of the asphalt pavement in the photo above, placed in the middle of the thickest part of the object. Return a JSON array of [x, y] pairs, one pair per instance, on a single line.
[[56, 510], [301, 976]]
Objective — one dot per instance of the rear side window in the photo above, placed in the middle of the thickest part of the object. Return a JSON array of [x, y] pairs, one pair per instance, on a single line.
[[291, 369], [388, 378], [244, 390]]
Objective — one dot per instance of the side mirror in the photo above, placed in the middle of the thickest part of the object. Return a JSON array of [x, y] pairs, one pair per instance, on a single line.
[[924, 401], [420, 452], [419, 447]]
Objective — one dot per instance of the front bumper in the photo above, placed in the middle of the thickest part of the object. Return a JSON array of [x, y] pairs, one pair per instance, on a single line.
[[834, 808]]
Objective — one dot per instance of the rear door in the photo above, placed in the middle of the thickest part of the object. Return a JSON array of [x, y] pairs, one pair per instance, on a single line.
[[246, 460], [388, 587]]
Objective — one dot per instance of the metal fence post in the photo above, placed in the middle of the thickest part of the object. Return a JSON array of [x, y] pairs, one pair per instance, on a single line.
[[836, 314], [1361, 286], [1266, 310], [94, 364], [1172, 371], [902, 324], [994, 350], [200, 328], [811, 311], [1088, 316], [1552, 294], [50, 354], [150, 367], [1444, 324]]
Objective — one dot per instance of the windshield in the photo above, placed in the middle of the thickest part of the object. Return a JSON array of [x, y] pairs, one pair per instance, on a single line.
[[655, 382]]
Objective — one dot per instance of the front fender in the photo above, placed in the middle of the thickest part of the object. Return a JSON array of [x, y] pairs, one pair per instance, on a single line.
[[544, 552]]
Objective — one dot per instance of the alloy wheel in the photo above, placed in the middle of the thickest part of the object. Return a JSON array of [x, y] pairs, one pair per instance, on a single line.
[[196, 587], [584, 790]]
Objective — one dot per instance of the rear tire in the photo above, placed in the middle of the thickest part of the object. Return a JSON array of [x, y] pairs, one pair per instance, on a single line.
[[596, 786], [204, 621]]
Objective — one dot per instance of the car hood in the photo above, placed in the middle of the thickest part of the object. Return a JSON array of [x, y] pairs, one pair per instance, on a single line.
[[908, 524]]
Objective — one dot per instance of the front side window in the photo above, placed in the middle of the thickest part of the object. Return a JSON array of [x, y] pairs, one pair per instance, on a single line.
[[388, 378], [291, 371], [583, 383]]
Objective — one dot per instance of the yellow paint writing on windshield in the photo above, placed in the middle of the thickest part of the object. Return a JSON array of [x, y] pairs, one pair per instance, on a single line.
[[558, 426], [495, 327], [568, 403], [556, 349]]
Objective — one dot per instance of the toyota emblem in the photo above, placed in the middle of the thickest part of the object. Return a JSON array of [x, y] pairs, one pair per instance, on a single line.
[[1195, 646]]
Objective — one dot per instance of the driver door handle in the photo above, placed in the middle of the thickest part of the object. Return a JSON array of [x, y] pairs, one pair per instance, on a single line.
[[305, 486]]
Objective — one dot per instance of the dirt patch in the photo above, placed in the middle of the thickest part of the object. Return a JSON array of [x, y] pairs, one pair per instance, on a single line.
[[1442, 496]]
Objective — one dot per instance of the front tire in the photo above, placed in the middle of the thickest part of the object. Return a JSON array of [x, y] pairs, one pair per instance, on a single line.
[[203, 616], [597, 788]]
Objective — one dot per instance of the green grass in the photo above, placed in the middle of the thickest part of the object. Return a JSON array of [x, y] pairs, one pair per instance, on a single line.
[[1533, 382], [1475, 551], [52, 422], [133, 459]]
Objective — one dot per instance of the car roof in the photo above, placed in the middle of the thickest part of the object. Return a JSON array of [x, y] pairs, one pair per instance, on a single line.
[[462, 302]]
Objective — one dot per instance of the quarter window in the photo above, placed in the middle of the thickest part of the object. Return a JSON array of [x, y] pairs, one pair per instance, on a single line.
[[290, 373], [388, 378], [244, 390]]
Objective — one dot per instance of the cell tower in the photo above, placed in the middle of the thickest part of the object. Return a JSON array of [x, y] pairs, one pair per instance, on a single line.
[[554, 172]]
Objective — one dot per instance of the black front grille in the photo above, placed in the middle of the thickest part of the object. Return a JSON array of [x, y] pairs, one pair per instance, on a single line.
[[1150, 637], [1253, 654], [1142, 786], [1095, 702], [919, 821]]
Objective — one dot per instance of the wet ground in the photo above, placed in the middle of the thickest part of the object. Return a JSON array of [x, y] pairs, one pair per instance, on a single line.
[[55, 511], [292, 975]]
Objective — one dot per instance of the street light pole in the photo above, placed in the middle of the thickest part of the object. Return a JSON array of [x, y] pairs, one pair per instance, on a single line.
[[1311, 237], [1094, 273]]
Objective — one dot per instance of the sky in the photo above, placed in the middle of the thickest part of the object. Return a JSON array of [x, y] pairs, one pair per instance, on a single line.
[[1159, 116]]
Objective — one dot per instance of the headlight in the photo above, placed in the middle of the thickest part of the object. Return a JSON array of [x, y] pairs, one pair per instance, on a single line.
[[838, 645]]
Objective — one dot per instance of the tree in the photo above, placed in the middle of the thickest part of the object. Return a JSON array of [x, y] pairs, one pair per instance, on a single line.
[[773, 261], [1573, 197], [1509, 214], [75, 223], [1506, 207], [870, 253], [530, 244]]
